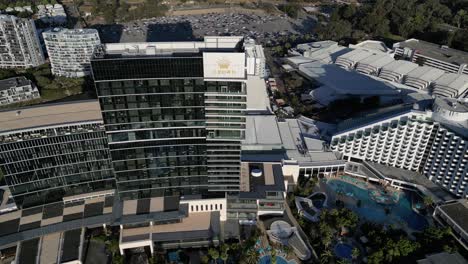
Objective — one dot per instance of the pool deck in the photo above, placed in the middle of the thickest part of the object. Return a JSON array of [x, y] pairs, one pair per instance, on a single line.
[[364, 185], [333, 196]]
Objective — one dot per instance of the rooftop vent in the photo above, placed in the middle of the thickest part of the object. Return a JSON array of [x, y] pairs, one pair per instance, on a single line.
[[256, 172], [316, 45]]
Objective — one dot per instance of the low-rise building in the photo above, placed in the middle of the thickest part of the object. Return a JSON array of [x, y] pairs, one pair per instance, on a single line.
[[423, 77], [17, 89], [451, 85], [52, 13], [433, 55], [454, 215], [49, 152]]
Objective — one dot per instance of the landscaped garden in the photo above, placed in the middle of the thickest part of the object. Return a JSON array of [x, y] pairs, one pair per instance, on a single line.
[[355, 226]]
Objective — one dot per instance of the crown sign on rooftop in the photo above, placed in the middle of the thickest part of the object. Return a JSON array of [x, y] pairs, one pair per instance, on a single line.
[[223, 63]]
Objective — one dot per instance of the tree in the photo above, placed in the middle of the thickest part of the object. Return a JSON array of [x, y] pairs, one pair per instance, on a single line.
[[461, 18], [6, 73], [326, 256], [287, 250], [327, 241], [113, 246], [348, 11], [214, 253], [117, 259], [335, 30], [224, 252], [291, 10], [376, 257], [355, 253], [427, 200], [278, 50], [251, 257], [343, 261], [406, 246], [460, 40], [205, 259], [273, 256], [122, 11]]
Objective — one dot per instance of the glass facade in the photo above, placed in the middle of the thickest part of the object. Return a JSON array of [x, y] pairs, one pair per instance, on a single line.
[[147, 67], [170, 132], [44, 165]]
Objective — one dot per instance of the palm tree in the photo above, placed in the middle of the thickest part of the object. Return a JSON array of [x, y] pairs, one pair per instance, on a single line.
[[326, 256], [460, 17], [343, 261], [273, 256], [327, 241], [214, 253], [113, 246], [224, 252], [427, 201], [287, 250], [355, 253], [251, 257]]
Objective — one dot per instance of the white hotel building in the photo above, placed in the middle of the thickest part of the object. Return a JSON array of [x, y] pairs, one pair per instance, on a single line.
[[430, 142], [70, 50], [398, 139]]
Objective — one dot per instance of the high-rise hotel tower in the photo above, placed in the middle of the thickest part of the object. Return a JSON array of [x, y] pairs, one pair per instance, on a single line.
[[174, 113]]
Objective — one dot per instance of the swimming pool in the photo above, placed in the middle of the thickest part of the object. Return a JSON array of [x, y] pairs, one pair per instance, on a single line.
[[279, 260], [375, 212], [343, 250], [318, 200]]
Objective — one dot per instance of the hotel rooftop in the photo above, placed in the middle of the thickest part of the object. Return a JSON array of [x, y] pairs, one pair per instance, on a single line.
[[163, 48]]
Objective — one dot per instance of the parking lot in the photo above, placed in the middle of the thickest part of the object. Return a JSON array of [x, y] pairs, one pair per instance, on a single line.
[[266, 29]]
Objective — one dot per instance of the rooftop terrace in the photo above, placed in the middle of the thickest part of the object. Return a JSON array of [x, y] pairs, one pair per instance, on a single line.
[[155, 48], [14, 82], [50, 115], [458, 211]]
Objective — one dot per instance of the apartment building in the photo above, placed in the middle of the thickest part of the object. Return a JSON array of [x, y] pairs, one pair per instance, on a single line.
[[48, 153], [19, 43], [17, 89], [70, 50], [433, 55]]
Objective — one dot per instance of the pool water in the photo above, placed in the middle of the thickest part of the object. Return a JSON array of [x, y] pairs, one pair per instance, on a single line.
[[267, 260], [343, 250], [318, 200], [318, 203], [375, 212]]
